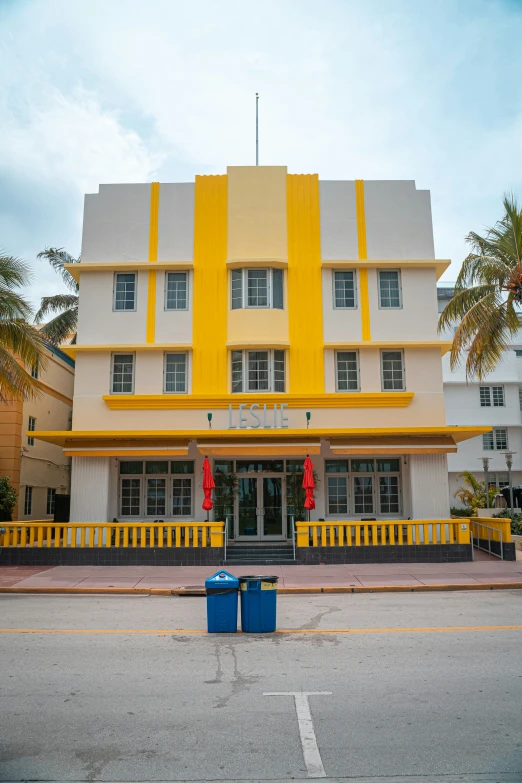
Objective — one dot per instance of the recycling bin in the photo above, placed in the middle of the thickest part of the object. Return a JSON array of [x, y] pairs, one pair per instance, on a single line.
[[221, 590], [258, 603]]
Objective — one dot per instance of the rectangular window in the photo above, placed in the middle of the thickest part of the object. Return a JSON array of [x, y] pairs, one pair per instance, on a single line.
[[51, 500], [520, 398], [176, 291], [264, 371], [34, 372], [224, 466], [344, 290], [132, 468], [389, 494], [347, 371], [156, 497], [257, 288], [337, 495], [28, 501], [181, 497], [122, 373], [175, 373], [389, 289], [518, 353], [277, 289], [183, 466], [362, 466], [237, 372], [336, 466], [125, 291], [388, 465], [130, 497], [392, 368], [157, 466], [363, 494], [496, 440], [31, 427], [491, 396]]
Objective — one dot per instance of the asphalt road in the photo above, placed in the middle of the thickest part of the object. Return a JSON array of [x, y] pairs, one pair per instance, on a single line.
[[423, 705]]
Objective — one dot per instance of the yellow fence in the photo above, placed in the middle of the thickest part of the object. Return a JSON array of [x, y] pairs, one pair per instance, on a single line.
[[92, 534], [479, 527], [402, 532]]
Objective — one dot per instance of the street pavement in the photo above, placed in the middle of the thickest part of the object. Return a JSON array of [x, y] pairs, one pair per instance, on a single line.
[[485, 570], [130, 688]]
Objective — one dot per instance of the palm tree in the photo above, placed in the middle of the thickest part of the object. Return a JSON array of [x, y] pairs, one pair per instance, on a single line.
[[488, 295], [21, 345], [66, 305], [473, 494]]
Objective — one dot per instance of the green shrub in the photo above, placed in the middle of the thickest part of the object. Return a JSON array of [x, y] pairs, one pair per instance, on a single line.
[[516, 520], [462, 512], [7, 499]]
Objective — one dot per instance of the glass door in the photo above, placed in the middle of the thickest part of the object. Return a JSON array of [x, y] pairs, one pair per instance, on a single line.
[[248, 508], [260, 508], [272, 507]]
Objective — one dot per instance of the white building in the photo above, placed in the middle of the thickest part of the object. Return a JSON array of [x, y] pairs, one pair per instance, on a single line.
[[496, 402]]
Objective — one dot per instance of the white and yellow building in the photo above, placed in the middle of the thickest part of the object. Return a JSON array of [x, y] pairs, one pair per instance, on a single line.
[[256, 317]]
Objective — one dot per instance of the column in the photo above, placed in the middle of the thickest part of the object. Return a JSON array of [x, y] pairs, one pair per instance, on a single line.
[[429, 486], [90, 489]]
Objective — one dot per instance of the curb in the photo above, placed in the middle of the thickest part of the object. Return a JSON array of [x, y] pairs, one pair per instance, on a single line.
[[282, 590]]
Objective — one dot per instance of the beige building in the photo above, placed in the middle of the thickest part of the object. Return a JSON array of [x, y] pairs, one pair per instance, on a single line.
[[256, 317], [39, 470]]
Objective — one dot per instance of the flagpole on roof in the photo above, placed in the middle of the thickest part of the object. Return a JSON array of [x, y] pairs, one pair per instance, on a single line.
[[257, 129]]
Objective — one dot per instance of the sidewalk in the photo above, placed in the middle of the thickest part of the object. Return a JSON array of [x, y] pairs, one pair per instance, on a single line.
[[484, 573]]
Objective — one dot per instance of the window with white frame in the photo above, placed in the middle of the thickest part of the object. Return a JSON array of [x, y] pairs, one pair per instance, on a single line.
[[361, 486], [125, 291], [28, 501], [496, 440], [257, 288], [491, 396], [122, 376], [31, 426], [51, 500], [258, 371], [392, 371], [176, 291], [347, 371], [498, 480], [156, 488], [175, 373], [344, 290], [520, 399], [389, 289]]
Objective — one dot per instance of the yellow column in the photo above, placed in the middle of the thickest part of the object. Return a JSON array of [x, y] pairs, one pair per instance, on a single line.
[[305, 301], [363, 256], [150, 333], [209, 329]]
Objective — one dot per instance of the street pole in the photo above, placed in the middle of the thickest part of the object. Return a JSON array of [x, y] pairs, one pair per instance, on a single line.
[[509, 462], [485, 463]]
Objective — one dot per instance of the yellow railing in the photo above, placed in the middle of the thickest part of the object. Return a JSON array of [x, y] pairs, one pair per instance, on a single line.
[[498, 524], [383, 533], [115, 534]]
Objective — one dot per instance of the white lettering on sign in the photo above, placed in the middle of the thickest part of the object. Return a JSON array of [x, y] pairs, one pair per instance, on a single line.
[[253, 416]]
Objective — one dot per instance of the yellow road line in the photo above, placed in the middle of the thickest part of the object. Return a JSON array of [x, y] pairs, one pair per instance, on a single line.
[[345, 631]]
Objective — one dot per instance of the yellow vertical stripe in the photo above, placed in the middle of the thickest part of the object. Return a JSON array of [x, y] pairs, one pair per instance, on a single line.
[[363, 256], [305, 302], [209, 330], [150, 331]]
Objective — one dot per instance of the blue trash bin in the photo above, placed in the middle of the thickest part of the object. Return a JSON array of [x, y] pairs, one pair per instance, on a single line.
[[222, 599], [258, 603]]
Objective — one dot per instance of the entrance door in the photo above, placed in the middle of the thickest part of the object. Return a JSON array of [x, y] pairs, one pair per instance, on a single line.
[[260, 508]]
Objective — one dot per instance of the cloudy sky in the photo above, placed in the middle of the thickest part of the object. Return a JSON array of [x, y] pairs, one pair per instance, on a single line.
[[99, 91]]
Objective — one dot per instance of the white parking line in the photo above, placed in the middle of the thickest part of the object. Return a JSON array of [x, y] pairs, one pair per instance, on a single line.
[[312, 757]]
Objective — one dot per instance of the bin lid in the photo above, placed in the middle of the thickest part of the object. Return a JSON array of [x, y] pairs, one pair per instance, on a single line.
[[222, 579], [258, 578]]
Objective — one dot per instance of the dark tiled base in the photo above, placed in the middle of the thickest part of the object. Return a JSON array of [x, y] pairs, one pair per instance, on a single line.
[[508, 547], [114, 556], [429, 553]]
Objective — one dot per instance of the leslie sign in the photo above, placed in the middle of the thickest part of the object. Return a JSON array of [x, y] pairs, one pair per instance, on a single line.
[[253, 416]]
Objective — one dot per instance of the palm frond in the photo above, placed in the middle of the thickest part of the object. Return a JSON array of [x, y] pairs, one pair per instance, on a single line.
[[462, 301], [24, 342], [15, 382], [55, 304], [60, 328], [57, 257]]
